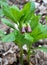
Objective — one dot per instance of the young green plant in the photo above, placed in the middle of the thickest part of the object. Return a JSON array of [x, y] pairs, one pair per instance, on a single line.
[[29, 30]]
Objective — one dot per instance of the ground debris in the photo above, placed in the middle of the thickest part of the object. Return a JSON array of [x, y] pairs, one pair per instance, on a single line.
[[9, 53], [40, 58]]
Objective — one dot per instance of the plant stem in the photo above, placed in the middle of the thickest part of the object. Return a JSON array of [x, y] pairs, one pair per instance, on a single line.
[[20, 26], [29, 53], [21, 54]]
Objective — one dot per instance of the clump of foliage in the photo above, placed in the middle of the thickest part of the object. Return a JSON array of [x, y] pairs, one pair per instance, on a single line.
[[29, 30]]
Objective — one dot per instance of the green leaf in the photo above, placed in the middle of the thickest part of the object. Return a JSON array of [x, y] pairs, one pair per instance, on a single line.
[[9, 38], [1, 13], [29, 37], [7, 12], [34, 21], [29, 7], [27, 11], [8, 23], [36, 31], [15, 11], [39, 29], [39, 32], [2, 1], [1, 33], [44, 49], [41, 36]]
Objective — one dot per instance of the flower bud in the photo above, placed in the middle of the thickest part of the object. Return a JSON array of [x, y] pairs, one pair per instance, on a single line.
[[23, 29], [28, 28]]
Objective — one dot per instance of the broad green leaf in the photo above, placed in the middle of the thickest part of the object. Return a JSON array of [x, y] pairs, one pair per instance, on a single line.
[[8, 23], [29, 7], [36, 31], [15, 11], [40, 32], [29, 37], [41, 36], [1, 33], [1, 13], [7, 12], [44, 49], [34, 21], [27, 11], [9, 38], [2, 1], [39, 29]]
